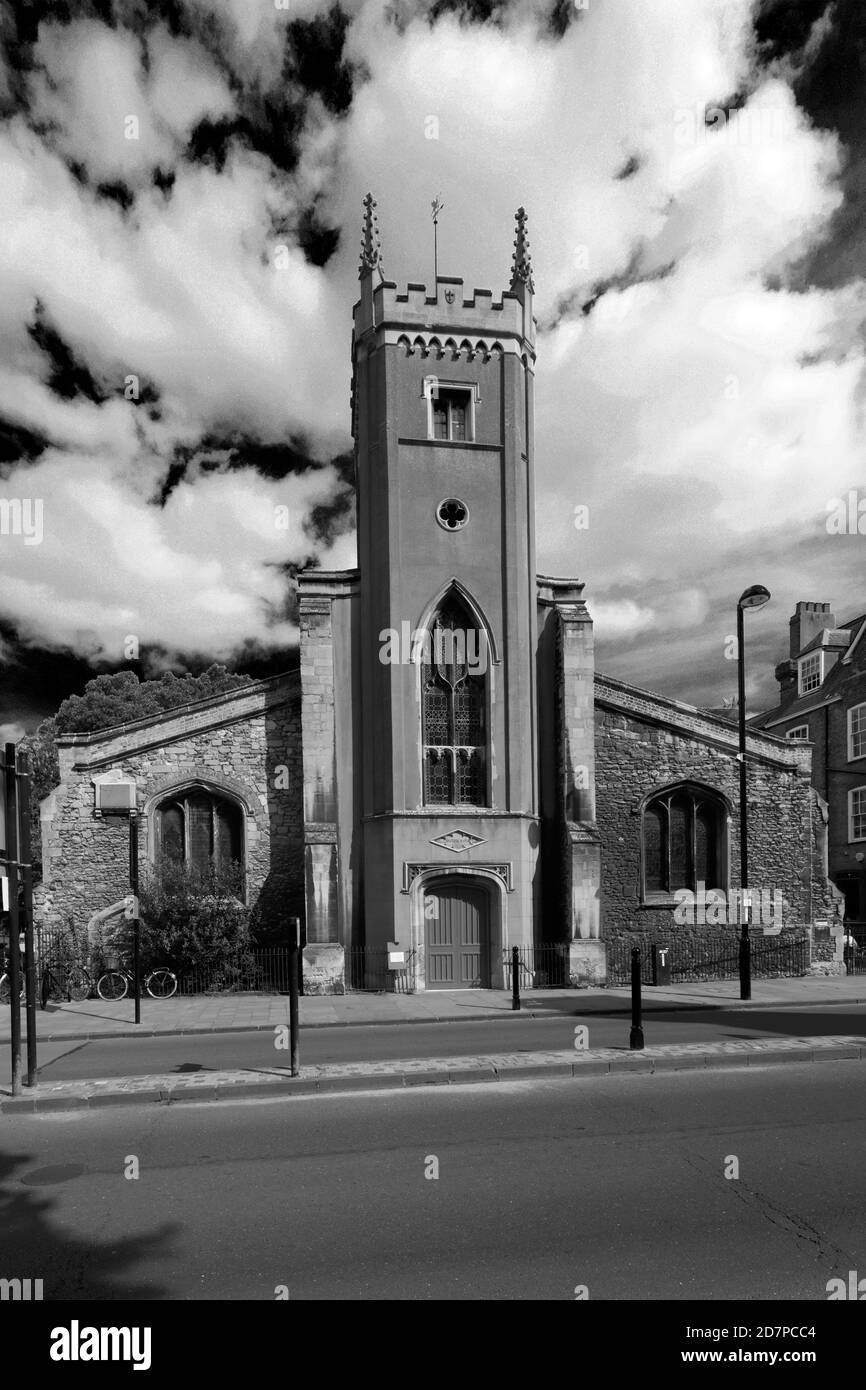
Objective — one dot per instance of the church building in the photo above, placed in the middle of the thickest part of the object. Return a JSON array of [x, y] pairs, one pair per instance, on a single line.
[[444, 772]]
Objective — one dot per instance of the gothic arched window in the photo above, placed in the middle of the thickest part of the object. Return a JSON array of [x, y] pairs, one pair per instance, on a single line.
[[684, 841], [200, 829], [454, 708]]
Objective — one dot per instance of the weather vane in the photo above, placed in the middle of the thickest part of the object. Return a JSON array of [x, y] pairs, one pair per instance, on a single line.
[[437, 207]]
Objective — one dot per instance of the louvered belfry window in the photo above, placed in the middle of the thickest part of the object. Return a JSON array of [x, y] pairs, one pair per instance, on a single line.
[[454, 687]]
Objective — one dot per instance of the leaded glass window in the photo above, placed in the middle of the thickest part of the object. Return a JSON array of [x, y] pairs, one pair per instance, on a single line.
[[200, 829], [684, 841], [454, 709]]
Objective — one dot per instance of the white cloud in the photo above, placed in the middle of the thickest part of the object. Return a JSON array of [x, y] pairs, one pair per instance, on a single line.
[[704, 413], [204, 574], [187, 294], [102, 108]]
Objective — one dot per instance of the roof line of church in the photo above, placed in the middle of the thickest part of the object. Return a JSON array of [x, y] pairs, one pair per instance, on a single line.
[[292, 676], [680, 707]]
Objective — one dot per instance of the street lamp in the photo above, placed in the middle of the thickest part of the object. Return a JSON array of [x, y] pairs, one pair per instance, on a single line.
[[754, 597]]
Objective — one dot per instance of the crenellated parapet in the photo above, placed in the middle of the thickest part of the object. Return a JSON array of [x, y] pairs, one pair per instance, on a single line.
[[450, 316]]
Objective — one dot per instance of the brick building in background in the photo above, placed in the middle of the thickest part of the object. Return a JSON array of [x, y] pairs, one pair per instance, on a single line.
[[822, 704], [446, 771]]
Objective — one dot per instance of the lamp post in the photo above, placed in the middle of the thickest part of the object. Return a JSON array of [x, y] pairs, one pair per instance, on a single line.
[[754, 597]]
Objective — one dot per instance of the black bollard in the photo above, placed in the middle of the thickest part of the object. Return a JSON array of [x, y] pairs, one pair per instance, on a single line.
[[515, 978], [294, 967], [635, 1040], [745, 963], [136, 935]]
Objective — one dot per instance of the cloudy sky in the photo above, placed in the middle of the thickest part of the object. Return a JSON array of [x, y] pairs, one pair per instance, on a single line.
[[181, 193]]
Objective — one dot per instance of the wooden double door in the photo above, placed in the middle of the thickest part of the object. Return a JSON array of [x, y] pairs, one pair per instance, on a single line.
[[457, 926]]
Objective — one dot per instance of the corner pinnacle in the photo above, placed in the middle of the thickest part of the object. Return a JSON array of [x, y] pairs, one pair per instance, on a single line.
[[521, 265], [371, 255]]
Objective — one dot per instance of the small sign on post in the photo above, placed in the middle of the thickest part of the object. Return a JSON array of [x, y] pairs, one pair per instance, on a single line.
[[396, 956]]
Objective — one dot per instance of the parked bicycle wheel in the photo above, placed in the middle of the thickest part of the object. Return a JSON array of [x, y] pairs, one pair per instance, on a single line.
[[51, 988], [161, 984], [112, 985], [6, 989], [79, 984]]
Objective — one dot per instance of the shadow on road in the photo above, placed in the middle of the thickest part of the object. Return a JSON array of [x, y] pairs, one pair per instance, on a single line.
[[730, 1024], [34, 1246]]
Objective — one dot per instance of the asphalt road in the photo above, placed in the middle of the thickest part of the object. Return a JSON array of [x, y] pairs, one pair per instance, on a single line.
[[76, 1061], [618, 1185]]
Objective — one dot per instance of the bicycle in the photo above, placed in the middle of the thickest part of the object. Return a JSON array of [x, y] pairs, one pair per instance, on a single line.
[[6, 987], [114, 984], [71, 983]]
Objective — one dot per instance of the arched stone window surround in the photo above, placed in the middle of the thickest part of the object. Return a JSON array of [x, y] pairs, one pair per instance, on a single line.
[[698, 793], [252, 818]]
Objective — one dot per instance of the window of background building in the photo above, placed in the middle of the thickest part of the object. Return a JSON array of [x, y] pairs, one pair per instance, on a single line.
[[798, 734], [857, 732], [857, 814], [810, 672]]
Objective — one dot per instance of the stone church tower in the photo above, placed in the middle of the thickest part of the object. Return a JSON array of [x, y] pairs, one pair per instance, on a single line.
[[447, 692]]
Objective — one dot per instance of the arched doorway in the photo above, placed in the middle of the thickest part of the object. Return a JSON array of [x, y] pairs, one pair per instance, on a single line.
[[457, 923]]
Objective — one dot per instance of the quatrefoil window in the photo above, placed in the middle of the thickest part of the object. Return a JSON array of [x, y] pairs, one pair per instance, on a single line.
[[452, 514]]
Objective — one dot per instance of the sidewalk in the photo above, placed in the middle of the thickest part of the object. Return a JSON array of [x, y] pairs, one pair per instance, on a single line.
[[94, 1019], [275, 1083]]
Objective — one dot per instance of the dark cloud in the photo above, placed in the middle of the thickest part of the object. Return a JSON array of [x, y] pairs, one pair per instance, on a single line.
[[271, 460], [270, 121], [471, 11], [317, 241], [582, 300], [34, 679], [175, 475], [831, 88], [117, 192], [336, 516], [236, 450], [783, 26], [630, 167], [314, 58], [164, 180], [562, 16], [69, 377], [210, 140], [18, 444]]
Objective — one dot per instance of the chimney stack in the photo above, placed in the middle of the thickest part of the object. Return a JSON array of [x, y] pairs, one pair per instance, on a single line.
[[807, 622]]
